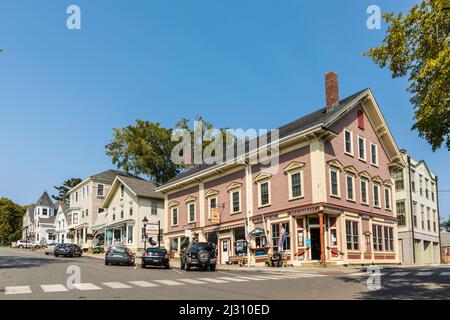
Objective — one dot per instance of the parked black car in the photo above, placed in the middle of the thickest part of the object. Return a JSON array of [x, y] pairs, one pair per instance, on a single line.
[[119, 255], [199, 254], [155, 257], [68, 250]]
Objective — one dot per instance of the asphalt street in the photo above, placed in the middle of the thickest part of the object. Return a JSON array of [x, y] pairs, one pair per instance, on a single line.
[[28, 274]]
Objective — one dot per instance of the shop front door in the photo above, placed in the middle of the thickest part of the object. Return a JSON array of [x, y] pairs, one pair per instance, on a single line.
[[315, 243], [224, 250]]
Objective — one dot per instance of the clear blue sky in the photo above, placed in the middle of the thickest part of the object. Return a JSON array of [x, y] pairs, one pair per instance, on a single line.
[[239, 64]]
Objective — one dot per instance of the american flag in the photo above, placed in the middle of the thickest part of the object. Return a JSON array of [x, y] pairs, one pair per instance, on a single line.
[[282, 238]]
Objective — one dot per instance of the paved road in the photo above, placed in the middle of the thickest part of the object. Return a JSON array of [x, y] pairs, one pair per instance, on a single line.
[[32, 275]]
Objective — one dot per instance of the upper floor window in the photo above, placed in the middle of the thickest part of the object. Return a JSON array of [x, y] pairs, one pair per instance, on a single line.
[[434, 220], [420, 184], [401, 213], [87, 212], [373, 154], [191, 210], [415, 213], [387, 198], [153, 208], [364, 187], [264, 193], [348, 141], [350, 179], [426, 188], [361, 119], [362, 148], [399, 181], [376, 195], [428, 219], [131, 210], [295, 179], [44, 211], [100, 190], [174, 216], [413, 181], [422, 214], [122, 190], [212, 204], [334, 182], [433, 188], [87, 190], [76, 196], [235, 201]]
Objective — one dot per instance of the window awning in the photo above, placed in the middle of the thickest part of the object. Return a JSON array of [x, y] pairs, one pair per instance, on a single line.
[[223, 228]]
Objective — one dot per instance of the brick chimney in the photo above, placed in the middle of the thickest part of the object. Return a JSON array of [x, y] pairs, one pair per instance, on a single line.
[[331, 89]]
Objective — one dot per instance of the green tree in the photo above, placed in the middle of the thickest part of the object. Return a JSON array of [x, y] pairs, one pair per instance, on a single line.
[[445, 225], [146, 148], [64, 189], [11, 219], [417, 46]]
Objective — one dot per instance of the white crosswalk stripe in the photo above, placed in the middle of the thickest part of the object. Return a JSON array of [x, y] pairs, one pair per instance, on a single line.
[[424, 273], [116, 285], [269, 277], [144, 284], [18, 290], [86, 286], [54, 288], [169, 282], [213, 280], [400, 274], [232, 279], [192, 281], [445, 273], [253, 278]]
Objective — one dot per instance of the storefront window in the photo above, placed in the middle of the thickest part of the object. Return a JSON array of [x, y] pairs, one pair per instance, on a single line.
[[278, 229], [260, 241], [300, 238], [130, 234], [184, 243], [212, 238], [240, 243], [174, 245], [117, 235]]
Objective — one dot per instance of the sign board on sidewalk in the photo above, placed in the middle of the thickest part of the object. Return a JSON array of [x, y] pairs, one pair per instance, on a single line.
[[152, 229], [215, 215], [187, 233]]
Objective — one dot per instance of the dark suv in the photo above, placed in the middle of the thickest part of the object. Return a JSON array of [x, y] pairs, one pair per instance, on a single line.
[[199, 254]]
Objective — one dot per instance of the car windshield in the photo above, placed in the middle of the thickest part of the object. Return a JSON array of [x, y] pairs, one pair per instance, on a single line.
[[119, 250]]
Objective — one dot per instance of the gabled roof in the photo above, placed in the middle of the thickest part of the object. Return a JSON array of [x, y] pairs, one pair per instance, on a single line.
[[138, 186], [320, 119], [108, 176], [64, 206], [45, 201]]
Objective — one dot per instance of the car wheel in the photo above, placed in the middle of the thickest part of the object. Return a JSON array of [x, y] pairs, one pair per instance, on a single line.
[[46, 253], [167, 266], [56, 255], [142, 266], [212, 267], [20, 247], [188, 267]]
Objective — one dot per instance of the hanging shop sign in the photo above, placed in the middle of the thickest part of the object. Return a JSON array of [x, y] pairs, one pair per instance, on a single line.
[[215, 215]]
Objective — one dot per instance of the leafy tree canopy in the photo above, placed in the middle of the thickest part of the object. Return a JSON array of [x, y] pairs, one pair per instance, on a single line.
[[11, 219], [417, 46]]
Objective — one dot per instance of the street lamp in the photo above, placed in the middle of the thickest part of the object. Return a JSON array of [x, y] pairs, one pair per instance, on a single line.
[[144, 222], [26, 231]]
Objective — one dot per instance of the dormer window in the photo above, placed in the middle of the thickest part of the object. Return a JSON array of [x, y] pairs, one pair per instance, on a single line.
[[122, 190], [100, 190], [44, 211]]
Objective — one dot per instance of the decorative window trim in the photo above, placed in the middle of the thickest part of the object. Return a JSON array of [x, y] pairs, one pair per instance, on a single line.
[[294, 165], [351, 153], [290, 173], [351, 169], [352, 176], [239, 191], [330, 169], [262, 177], [173, 204], [269, 187], [365, 174], [361, 180], [336, 164], [211, 193], [388, 183], [190, 199], [188, 204], [377, 179], [365, 148], [234, 185]]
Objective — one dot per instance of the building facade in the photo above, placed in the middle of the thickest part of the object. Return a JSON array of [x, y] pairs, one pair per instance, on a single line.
[[327, 199], [128, 202], [417, 211], [445, 247], [38, 221], [86, 202], [61, 222]]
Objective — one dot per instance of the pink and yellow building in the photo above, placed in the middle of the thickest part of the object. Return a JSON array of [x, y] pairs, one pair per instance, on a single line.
[[331, 192]]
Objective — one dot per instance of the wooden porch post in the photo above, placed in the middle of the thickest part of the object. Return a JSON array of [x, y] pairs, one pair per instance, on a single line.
[[322, 240]]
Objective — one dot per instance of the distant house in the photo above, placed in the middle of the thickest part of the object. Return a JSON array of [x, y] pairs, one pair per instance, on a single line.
[[128, 202], [38, 222], [86, 203], [417, 212], [61, 221], [445, 246]]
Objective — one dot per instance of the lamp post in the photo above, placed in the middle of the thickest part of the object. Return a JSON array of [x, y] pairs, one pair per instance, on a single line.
[[144, 222], [26, 237]]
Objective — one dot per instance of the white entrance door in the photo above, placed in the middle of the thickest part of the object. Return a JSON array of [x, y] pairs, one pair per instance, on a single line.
[[224, 250]]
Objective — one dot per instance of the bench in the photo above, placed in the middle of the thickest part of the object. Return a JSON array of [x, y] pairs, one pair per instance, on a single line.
[[241, 260]]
